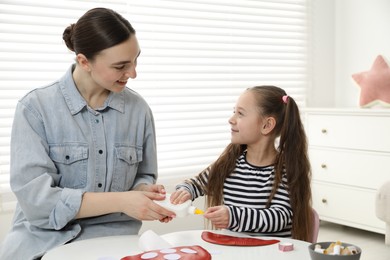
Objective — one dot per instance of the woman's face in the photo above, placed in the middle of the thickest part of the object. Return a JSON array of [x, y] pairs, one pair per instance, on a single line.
[[112, 67], [245, 122]]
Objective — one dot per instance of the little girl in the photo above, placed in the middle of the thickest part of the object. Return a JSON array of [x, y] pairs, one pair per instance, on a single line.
[[259, 184]]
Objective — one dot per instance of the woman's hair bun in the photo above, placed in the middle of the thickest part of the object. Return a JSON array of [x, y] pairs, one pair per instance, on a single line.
[[67, 36]]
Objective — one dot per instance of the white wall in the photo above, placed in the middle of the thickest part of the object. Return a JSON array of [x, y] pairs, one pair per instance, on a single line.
[[322, 91], [362, 33], [347, 37]]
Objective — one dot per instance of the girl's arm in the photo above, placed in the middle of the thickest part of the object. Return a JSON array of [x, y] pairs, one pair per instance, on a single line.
[[269, 220], [195, 187]]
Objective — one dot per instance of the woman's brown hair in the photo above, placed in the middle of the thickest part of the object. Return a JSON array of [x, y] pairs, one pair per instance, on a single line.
[[292, 156], [96, 30]]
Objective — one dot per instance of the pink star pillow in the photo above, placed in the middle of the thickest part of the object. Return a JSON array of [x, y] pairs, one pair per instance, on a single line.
[[374, 84]]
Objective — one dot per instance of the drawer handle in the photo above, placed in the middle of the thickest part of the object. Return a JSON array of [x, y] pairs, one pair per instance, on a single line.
[[324, 131], [324, 201], [323, 166]]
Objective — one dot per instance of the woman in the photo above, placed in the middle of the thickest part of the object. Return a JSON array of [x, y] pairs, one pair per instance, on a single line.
[[83, 149], [256, 186]]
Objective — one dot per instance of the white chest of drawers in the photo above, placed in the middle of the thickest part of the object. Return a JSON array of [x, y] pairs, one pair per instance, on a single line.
[[349, 152]]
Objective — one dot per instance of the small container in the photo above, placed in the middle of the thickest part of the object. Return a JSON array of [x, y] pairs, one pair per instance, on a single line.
[[181, 210], [316, 255]]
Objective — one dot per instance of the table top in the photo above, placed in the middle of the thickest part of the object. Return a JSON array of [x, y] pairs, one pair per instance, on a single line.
[[100, 248], [271, 252], [116, 247]]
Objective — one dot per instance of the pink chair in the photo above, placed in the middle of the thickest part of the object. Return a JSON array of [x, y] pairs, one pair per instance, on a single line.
[[316, 226]]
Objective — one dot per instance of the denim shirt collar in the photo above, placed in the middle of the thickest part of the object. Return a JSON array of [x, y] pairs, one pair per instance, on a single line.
[[76, 102]]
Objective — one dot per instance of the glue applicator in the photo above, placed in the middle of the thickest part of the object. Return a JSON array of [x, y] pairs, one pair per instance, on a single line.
[[181, 210]]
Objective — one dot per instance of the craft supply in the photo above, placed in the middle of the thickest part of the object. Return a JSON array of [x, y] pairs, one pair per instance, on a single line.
[[336, 248], [181, 210], [194, 252], [221, 239], [285, 247], [318, 249], [149, 240]]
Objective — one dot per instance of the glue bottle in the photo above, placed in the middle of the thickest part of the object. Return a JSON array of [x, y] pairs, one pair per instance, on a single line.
[[181, 210]]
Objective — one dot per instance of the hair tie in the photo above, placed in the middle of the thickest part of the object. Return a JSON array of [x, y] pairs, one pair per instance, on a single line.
[[285, 99]]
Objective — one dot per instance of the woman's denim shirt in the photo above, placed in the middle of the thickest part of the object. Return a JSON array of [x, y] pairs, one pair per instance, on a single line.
[[61, 148]]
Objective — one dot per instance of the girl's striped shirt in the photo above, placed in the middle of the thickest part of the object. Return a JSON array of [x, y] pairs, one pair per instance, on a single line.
[[245, 193]]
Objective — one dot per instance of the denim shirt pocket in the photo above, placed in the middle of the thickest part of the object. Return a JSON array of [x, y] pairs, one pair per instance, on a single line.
[[71, 161], [125, 169]]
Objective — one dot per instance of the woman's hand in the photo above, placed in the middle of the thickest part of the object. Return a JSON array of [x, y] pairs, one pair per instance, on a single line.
[[140, 205], [180, 196], [158, 188], [137, 204], [218, 215]]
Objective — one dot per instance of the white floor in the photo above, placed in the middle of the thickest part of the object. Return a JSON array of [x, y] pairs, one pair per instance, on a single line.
[[372, 244]]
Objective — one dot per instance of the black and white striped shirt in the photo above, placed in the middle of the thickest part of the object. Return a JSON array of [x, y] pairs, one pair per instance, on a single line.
[[245, 193]]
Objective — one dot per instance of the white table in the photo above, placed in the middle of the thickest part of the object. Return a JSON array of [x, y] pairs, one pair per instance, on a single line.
[[101, 248], [269, 252], [116, 247]]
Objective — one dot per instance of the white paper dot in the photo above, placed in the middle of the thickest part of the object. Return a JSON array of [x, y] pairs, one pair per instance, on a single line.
[[149, 255], [172, 257], [188, 251], [168, 251]]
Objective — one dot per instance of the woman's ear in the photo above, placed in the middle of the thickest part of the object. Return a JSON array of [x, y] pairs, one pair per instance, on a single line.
[[268, 126], [83, 62]]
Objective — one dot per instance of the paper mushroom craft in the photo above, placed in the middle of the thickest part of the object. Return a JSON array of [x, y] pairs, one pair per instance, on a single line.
[[374, 84]]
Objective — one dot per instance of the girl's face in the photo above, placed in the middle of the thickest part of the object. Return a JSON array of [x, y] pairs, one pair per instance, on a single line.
[[246, 123], [112, 67]]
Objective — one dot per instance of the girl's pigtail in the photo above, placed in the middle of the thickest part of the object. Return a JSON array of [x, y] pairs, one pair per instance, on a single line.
[[293, 145]]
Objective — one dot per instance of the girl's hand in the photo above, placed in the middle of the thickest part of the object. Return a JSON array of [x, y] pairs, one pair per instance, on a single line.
[[180, 196], [218, 215]]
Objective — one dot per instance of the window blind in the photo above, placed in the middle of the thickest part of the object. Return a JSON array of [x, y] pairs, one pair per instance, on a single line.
[[197, 57]]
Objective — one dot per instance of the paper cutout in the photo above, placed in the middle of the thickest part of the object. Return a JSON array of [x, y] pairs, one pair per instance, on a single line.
[[149, 240], [194, 252], [221, 239]]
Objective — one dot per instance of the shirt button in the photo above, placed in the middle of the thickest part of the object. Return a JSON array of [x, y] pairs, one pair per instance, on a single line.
[[100, 151], [96, 121], [67, 157], [100, 185]]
